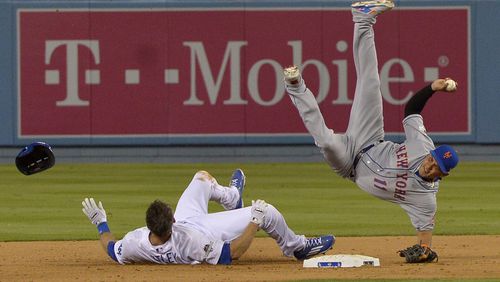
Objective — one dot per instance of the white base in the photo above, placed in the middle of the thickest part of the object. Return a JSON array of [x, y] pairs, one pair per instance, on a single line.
[[341, 260]]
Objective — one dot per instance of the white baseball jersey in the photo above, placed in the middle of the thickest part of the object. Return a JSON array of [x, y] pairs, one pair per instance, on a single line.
[[186, 246], [388, 170], [199, 236]]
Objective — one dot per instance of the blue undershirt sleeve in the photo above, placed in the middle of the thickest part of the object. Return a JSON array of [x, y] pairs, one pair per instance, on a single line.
[[225, 256], [111, 250]]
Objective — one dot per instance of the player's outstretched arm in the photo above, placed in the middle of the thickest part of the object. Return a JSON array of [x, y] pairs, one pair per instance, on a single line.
[[241, 244], [97, 216], [417, 103]]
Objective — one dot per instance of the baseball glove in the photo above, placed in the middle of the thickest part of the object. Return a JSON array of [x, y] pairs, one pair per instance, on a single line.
[[418, 253]]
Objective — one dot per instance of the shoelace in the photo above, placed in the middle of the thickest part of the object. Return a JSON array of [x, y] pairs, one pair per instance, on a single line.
[[234, 182], [313, 242]]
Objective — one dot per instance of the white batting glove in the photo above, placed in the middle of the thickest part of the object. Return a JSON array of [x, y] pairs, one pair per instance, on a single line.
[[94, 212], [259, 209]]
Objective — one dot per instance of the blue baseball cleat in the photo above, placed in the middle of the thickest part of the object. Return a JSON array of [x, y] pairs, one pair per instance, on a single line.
[[375, 7], [238, 181], [314, 246]]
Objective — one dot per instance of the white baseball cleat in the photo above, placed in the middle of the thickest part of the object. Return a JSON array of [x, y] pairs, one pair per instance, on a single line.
[[292, 76], [375, 7]]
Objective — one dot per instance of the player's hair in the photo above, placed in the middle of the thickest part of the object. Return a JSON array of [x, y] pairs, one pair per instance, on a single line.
[[159, 218]]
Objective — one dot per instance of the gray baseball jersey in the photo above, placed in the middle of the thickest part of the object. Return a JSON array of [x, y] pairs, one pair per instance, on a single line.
[[387, 170]]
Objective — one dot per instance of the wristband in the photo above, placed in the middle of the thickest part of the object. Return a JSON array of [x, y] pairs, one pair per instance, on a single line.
[[103, 227]]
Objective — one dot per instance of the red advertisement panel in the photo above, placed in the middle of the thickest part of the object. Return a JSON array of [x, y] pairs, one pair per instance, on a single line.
[[172, 72]]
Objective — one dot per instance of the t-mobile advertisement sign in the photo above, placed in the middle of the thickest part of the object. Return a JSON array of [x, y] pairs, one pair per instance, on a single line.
[[219, 72]]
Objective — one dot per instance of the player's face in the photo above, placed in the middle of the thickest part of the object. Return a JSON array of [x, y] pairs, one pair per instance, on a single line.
[[430, 169]]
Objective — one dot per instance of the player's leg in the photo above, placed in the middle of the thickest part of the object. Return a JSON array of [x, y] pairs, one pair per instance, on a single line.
[[203, 188], [291, 244], [366, 120], [335, 147], [225, 225], [229, 225]]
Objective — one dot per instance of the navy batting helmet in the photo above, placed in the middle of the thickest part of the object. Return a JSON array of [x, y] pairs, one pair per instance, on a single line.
[[34, 158]]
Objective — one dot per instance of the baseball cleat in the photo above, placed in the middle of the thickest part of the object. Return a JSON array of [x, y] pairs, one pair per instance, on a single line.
[[315, 246], [292, 75], [238, 181], [373, 7]]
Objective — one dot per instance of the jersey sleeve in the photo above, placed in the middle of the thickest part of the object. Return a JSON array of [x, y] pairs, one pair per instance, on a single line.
[[118, 249], [111, 250], [422, 217], [417, 140], [126, 249]]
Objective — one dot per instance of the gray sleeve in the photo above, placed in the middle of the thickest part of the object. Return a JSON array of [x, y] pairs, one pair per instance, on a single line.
[[422, 217], [418, 143]]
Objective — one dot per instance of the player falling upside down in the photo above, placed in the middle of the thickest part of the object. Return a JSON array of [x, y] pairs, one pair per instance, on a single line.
[[407, 174], [192, 235]]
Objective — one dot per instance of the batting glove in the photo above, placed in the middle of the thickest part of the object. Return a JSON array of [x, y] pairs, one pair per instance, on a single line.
[[94, 212], [259, 208]]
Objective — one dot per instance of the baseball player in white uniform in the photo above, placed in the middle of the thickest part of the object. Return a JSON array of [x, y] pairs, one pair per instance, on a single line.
[[193, 236], [407, 174]]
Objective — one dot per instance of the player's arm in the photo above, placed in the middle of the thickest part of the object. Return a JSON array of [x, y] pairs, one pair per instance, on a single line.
[[416, 104], [240, 245], [97, 215], [422, 218], [420, 252]]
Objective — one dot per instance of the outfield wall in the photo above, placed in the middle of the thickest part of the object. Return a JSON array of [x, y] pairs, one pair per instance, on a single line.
[[106, 73]]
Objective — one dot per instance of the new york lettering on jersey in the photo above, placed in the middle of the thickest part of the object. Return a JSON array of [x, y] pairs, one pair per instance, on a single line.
[[386, 172], [402, 177]]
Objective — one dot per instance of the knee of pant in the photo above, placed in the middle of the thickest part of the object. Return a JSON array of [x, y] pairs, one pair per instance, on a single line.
[[204, 176], [272, 214], [332, 142], [338, 144]]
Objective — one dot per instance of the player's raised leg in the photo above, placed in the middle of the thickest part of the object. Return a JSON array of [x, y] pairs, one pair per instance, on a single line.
[[203, 188], [366, 120], [229, 225], [335, 147]]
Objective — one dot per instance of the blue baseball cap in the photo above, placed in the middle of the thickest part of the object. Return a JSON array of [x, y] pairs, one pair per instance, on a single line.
[[446, 157]]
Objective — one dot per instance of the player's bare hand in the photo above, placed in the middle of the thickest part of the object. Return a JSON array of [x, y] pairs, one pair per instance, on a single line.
[[444, 84], [259, 208], [94, 212]]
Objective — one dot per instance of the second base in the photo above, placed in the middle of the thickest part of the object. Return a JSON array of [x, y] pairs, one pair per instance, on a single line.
[[341, 260]]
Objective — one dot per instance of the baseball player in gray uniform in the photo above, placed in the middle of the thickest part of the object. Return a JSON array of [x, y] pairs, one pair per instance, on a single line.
[[193, 236], [407, 174]]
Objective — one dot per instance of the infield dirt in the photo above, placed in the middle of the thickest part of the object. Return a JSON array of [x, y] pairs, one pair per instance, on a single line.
[[460, 257]]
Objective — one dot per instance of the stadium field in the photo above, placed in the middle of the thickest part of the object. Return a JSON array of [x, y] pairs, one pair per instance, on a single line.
[[45, 236]]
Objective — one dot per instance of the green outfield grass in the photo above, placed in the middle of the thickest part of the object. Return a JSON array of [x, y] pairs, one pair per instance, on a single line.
[[313, 199]]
